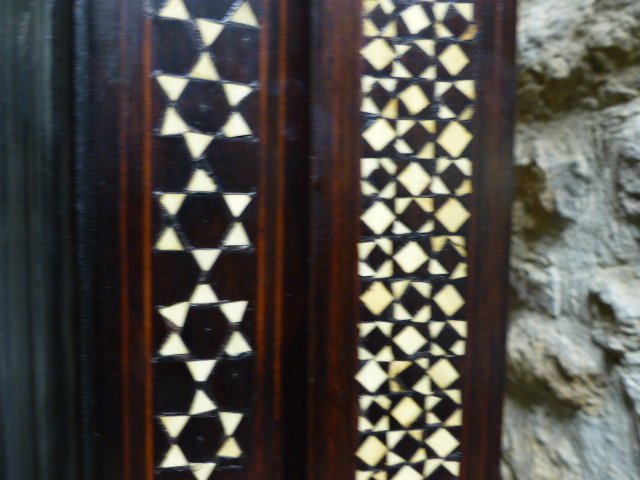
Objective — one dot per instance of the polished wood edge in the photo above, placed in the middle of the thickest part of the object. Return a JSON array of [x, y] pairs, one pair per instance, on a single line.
[[280, 430], [119, 150], [334, 235], [489, 240]]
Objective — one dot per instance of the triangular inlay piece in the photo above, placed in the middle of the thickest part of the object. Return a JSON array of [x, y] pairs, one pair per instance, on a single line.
[[176, 314], [234, 311], [201, 369], [174, 424], [237, 203], [235, 93], [174, 458], [230, 421], [173, 123], [197, 143], [237, 345], [236, 126], [245, 15], [230, 449], [201, 404], [175, 9], [202, 471], [209, 30], [205, 69], [201, 182], [237, 236], [203, 294], [206, 258], [169, 241], [172, 202], [174, 346], [172, 86]]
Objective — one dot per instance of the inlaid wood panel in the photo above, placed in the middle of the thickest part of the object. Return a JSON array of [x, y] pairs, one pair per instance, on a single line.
[[418, 104], [205, 186], [199, 103]]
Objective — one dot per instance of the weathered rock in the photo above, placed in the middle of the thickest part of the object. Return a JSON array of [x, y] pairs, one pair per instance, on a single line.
[[572, 408]]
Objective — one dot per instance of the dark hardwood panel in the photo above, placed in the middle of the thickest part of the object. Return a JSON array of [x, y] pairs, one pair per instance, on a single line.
[[115, 235], [283, 226], [489, 240], [334, 214]]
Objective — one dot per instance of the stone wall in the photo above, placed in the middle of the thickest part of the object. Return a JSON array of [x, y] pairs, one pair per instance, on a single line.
[[572, 407]]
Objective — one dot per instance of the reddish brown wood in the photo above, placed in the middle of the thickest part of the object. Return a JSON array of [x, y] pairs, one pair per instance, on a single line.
[[489, 241], [335, 208], [120, 148], [280, 428]]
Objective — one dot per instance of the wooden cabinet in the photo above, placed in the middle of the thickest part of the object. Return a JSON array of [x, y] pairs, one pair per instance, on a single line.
[[292, 230]]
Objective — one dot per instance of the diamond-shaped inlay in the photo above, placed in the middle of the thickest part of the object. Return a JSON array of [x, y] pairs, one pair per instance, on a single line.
[[372, 376], [418, 103]]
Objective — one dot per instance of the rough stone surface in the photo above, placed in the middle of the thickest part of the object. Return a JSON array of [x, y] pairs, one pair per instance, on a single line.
[[572, 408]]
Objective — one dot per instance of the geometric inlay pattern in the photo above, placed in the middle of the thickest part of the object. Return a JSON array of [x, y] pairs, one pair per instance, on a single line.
[[205, 74], [418, 95]]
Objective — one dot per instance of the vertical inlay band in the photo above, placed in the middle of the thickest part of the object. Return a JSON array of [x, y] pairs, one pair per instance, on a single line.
[[205, 182], [418, 93]]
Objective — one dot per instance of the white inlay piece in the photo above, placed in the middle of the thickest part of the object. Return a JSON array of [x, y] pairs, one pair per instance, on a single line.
[[206, 258], [201, 182], [414, 99], [442, 442], [209, 30], [173, 123], [410, 340], [452, 215], [172, 202], [202, 471], [236, 126], [245, 15], [237, 203], [415, 18], [371, 451], [235, 93], [407, 473], [379, 53], [449, 300], [176, 314], [410, 257], [174, 458], [415, 179], [237, 236], [237, 345], [173, 346], [443, 374], [453, 59], [230, 421], [371, 376], [379, 134], [172, 86], [376, 298], [174, 424], [205, 69], [454, 139], [197, 143], [234, 311], [201, 369], [175, 9], [204, 294], [169, 241], [378, 217], [201, 403], [230, 449]]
